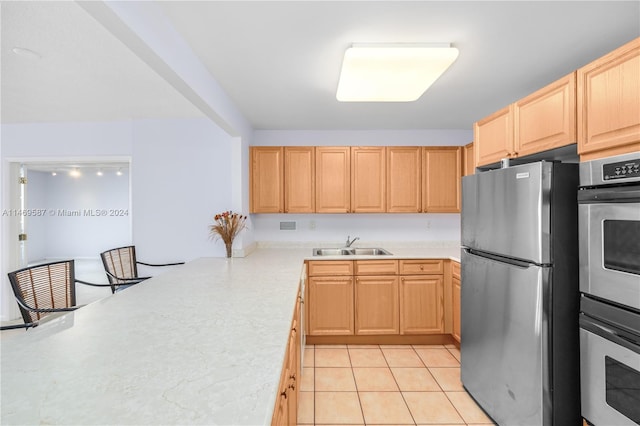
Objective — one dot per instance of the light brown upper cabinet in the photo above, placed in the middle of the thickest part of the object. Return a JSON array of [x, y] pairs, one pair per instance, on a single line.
[[493, 137], [368, 179], [468, 160], [299, 179], [267, 179], [404, 174], [441, 171], [546, 119], [609, 104], [333, 179]]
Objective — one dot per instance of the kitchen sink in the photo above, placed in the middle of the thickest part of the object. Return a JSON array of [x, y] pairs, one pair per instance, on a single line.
[[331, 252], [350, 252], [370, 252]]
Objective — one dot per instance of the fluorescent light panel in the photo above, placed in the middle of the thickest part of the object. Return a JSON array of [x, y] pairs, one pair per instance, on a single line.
[[392, 72]]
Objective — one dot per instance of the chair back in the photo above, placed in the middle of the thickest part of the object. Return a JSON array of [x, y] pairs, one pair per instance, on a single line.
[[45, 286], [120, 263]]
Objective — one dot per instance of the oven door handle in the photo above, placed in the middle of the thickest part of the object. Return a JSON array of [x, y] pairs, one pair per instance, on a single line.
[[609, 333], [623, 194]]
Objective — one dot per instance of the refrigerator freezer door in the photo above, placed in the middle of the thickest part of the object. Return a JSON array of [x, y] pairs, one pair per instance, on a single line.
[[505, 339], [506, 211]]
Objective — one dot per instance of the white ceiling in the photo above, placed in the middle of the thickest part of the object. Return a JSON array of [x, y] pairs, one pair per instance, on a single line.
[[279, 61]]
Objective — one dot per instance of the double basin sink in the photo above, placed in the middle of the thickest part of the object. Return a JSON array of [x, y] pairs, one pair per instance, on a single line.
[[348, 251]]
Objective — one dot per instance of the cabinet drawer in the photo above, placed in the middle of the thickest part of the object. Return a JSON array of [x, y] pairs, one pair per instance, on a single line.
[[421, 267], [330, 267], [376, 267], [455, 269]]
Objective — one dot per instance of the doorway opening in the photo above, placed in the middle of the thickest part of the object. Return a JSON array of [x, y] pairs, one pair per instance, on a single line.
[[68, 210]]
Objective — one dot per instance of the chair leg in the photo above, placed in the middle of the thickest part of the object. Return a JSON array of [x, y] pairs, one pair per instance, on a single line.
[[16, 326]]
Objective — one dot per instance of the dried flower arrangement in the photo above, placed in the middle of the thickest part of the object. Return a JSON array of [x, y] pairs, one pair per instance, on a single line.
[[226, 226]]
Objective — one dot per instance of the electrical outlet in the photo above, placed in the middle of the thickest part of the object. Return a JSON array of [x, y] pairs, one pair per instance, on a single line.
[[428, 224], [312, 224]]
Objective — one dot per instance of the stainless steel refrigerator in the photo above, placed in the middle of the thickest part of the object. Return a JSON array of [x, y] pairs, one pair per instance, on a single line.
[[520, 297]]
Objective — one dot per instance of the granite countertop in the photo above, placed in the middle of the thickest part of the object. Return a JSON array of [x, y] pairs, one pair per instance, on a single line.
[[202, 343]]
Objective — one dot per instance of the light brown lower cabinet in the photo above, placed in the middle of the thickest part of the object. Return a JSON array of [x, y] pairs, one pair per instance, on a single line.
[[456, 300], [421, 304], [456, 309], [382, 297], [330, 306], [376, 305], [285, 411]]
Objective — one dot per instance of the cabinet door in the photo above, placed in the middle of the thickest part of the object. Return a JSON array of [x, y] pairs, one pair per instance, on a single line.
[[493, 137], [421, 304], [333, 179], [299, 179], [266, 177], [441, 187], [281, 408], [330, 306], [293, 378], [546, 119], [377, 305], [456, 307], [404, 179], [368, 179], [609, 103], [469, 160]]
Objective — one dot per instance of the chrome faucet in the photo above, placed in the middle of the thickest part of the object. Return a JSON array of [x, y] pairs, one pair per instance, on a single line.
[[348, 243]]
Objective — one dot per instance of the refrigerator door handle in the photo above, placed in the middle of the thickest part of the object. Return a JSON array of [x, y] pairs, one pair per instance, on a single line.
[[497, 258]]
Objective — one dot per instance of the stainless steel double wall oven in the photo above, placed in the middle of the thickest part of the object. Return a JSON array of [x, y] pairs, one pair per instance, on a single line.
[[609, 249]]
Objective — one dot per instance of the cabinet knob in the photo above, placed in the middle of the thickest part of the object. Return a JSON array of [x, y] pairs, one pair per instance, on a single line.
[[284, 394], [422, 267]]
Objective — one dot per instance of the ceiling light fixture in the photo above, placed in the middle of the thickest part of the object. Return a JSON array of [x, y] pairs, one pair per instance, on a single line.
[[392, 72], [27, 53], [99, 172], [54, 174], [119, 172], [74, 173]]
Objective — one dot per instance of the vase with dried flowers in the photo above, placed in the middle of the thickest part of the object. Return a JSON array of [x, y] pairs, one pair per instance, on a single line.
[[226, 226]]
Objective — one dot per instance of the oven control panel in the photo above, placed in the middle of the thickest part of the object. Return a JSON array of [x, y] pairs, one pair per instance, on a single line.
[[621, 170]]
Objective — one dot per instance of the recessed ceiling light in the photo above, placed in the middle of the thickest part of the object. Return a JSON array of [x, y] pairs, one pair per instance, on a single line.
[[392, 72], [75, 173], [28, 53]]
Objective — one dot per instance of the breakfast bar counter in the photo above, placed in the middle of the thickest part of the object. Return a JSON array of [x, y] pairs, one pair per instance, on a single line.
[[202, 343]]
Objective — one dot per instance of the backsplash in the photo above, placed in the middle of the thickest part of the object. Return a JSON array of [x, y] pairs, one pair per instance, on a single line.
[[368, 227]]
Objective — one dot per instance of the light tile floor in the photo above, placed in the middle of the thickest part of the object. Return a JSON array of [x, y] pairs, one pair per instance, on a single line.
[[385, 385]]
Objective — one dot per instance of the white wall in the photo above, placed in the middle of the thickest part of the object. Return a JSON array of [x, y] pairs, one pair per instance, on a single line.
[[181, 176], [423, 227], [334, 228], [90, 233], [362, 137]]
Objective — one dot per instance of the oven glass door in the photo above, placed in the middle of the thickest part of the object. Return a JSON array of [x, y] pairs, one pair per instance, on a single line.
[[610, 381], [610, 251]]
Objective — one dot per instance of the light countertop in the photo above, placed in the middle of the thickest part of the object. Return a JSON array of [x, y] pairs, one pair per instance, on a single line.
[[202, 343]]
